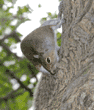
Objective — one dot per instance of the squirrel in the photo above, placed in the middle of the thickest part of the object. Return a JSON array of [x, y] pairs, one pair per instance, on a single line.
[[40, 47]]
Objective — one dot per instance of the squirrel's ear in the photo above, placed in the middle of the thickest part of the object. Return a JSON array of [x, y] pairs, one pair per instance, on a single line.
[[36, 56]]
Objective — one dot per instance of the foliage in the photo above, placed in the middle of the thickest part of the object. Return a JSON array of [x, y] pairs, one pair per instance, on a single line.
[[39, 5], [11, 66]]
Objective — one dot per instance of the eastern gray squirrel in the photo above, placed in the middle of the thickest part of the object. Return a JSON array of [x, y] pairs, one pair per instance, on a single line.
[[40, 46]]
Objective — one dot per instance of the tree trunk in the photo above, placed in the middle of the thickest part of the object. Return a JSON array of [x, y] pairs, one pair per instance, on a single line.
[[72, 88]]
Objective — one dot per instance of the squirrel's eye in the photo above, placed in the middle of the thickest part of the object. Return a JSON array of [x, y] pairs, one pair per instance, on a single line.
[[48, 60]]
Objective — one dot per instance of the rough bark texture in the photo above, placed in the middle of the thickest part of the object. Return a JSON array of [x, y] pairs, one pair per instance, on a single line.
[[72, 88]]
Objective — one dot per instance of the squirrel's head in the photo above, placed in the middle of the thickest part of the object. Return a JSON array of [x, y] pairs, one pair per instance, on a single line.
[[41, 44]]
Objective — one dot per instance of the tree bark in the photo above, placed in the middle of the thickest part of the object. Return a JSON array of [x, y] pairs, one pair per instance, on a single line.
[[72, 88]]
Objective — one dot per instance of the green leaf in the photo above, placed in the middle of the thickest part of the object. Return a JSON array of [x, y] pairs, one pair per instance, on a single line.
[[39, 5], [59, 39], [22, 100], [49, 14], [1, 3]]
